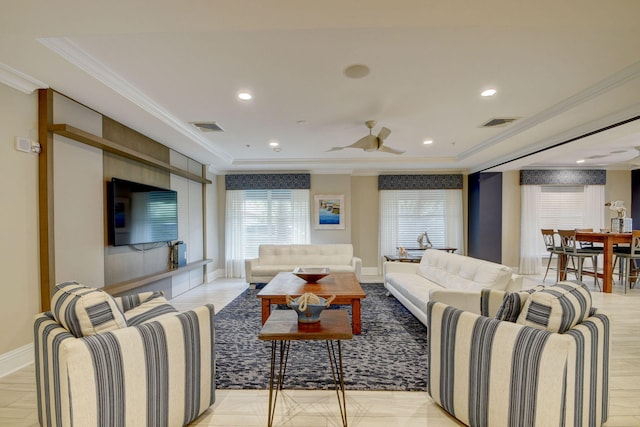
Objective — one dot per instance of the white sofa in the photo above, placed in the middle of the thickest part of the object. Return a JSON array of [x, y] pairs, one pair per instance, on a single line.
[[448, 274], [273, 259]]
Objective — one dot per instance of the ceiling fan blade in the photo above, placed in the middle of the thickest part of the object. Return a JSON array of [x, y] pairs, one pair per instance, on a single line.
[[369, 142], [386, 149], [383, 134], [335, 149]]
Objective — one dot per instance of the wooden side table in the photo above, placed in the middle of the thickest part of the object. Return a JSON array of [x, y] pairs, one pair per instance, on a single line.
[[282, 327]]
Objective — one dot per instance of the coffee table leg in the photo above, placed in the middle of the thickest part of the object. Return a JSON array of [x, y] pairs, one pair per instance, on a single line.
[[282, 366], [338, 378], [356, 323], [266, 309]]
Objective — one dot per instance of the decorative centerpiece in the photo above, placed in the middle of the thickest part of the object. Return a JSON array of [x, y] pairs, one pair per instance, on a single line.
[[309, 306], [423, 241], [311, 274]]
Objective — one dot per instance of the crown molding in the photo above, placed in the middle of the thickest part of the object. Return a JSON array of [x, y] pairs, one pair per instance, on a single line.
[[70, 51], [19, 80]]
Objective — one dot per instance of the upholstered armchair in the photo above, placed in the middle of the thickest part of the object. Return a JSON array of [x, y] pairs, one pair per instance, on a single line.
[[130, 361], [523, 359]]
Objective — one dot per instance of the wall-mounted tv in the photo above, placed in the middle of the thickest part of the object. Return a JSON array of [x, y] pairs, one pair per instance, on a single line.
[[140, 213]]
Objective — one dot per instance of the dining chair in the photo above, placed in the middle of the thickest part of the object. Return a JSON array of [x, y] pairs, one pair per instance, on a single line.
[[571, 248], [628, 255], [549, 236]]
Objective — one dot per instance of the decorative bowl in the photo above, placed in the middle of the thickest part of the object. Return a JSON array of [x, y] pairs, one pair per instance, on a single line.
[[308, 313], [311, 274]]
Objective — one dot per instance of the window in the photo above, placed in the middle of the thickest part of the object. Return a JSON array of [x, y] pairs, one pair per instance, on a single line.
[[561, 207], [556, 207], [405, 214], [256, 217]]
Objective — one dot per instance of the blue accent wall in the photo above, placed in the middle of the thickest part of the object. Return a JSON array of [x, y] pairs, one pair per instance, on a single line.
[[485, 216], [635, 198]]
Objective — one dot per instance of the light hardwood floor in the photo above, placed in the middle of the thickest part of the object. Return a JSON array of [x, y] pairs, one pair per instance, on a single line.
[[364, 408]]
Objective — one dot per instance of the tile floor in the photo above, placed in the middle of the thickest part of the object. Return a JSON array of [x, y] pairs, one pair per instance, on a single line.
[[365, 408]]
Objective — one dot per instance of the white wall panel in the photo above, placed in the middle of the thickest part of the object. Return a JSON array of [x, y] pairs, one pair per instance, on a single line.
[[79, 212]]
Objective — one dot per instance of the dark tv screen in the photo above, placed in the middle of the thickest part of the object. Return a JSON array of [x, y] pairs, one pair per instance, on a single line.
[[140, 213]]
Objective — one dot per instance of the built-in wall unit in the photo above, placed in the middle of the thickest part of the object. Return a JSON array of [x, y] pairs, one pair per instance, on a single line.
[[82, 151]]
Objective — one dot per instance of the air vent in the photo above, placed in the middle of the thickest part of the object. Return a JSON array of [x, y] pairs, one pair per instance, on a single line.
[[208, 126], [498, 122]]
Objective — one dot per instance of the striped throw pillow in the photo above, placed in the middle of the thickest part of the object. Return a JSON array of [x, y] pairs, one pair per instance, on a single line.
[[513, 303], [557, 308], [85, 311], [149, 310]]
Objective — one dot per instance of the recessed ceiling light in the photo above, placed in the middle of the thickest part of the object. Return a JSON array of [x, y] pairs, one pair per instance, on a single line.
[[244, 95], [580, 161], [488, 92], [427, 141], [274, 143]]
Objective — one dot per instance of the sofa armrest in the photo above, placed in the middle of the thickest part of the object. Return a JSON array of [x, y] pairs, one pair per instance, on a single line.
[[399, 267], [458, 298], [515, 284], [356, 263], [249, 264], [158, 373]]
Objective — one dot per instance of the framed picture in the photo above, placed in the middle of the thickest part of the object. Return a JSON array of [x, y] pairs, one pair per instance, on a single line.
[[329, 212]]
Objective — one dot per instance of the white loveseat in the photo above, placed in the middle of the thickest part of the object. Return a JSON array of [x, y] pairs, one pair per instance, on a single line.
[[445, 273], [273, 259]]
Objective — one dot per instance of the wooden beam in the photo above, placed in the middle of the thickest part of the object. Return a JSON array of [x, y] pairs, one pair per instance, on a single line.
[[115, 148], [45, 197]]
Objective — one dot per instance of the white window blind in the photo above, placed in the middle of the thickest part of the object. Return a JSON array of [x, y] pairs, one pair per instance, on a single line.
[[257, 217], [405, 214], [562, 207]]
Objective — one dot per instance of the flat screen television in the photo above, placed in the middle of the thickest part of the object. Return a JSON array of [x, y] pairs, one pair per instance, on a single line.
[[140, 213]]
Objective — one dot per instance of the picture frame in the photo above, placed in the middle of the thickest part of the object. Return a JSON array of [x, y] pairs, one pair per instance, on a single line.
[[329, 211]]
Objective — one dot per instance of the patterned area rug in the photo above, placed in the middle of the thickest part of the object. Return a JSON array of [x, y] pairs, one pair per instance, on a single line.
[[390, 354]]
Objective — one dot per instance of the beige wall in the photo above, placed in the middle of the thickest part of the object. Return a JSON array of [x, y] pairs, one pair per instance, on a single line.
[[20, 284], [511, 219], [618, 188], [365, 219]]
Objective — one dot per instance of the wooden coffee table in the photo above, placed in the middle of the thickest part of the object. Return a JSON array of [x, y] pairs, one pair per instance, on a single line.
[[344, 286]]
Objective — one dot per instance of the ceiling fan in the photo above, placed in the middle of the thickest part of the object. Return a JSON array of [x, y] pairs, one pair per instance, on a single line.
[[372, 142]]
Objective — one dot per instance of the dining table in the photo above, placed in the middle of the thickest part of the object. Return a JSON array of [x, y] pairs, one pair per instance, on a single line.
[[609, 240]]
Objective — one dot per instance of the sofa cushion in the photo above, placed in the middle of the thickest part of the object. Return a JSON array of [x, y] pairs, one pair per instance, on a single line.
[[151, 309], [300, 255], [557, 308], [455, 271], [85, 311]]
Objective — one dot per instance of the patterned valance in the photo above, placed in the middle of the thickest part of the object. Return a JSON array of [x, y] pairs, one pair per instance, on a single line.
[[268, 181], [420, 182], [563, 177]]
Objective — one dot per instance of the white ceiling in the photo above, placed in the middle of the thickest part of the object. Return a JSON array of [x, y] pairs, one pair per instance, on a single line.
[[564, 68]]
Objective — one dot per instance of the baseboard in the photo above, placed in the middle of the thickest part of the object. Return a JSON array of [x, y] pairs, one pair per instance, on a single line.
[[215, 274], [369, 271], [16, 359]]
